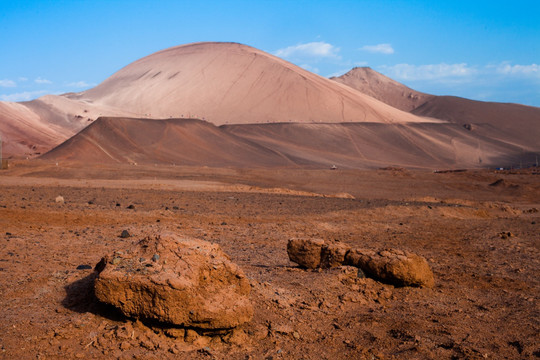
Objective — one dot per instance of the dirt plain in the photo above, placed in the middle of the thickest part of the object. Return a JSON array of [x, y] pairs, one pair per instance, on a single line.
[[478, 229]]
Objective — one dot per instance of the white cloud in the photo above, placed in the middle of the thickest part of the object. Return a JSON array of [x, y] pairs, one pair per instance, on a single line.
[[79, 84], [7, 83], [441, 71], [22, 78], [386, 49], [40, 80], [508, 69], [22, 96], [319, 49]]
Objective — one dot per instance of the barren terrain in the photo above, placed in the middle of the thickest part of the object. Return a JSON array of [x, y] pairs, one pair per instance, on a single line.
[[477, 229]]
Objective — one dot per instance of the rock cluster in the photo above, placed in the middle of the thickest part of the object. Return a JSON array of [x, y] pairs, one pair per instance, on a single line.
[[397, 267], [174, 280]]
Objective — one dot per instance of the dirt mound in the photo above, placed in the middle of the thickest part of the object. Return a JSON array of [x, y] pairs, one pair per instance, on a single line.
[[382, 88], [179, 281]]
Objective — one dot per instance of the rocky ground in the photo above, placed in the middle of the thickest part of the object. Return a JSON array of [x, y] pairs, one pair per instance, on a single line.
[[477, 229]]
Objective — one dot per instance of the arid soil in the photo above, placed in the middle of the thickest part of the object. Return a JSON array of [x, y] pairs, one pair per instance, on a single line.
[[479, 231]]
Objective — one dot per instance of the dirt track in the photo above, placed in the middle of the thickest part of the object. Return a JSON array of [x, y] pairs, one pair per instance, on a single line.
[[481, 241]]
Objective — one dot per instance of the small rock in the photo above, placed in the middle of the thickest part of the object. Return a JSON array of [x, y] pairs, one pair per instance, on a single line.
[[59, 199], [125, 234], [131, 206], [84, 267], [191, 336], [236, 337], [283, 329], [176, 333]]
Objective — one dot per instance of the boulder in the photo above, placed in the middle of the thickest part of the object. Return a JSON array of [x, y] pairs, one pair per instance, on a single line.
[[305, 252], [397, 267], [176, 280]]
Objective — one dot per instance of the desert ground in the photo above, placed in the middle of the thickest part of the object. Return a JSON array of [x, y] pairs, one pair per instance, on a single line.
[[478, 230]]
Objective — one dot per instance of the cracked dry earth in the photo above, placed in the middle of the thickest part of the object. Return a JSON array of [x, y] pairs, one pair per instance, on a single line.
[[481, 241]]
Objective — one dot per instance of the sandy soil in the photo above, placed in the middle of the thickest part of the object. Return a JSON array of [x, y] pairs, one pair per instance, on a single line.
[[478, 230]]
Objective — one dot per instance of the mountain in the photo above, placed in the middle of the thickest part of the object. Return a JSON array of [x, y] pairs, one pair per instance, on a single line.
[[382, 88], [256, 110], [230, 83]]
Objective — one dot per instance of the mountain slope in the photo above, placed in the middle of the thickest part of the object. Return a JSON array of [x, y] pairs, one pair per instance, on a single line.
[[347, 145], [513, 123]]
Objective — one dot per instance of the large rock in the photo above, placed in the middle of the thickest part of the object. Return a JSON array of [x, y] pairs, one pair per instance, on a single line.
[[396, 267], [176, 280], [305, 252]]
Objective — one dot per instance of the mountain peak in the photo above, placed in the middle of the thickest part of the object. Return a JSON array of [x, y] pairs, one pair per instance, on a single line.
[[382, 88]]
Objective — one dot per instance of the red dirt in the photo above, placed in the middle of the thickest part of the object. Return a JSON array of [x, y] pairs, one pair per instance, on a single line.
[[481, 242]]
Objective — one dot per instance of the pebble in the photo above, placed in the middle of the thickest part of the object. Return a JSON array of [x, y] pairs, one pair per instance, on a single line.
[[84, 267]]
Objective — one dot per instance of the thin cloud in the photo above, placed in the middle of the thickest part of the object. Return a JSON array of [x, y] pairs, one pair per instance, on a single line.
[[318, 49], [79, 84], [7, 83], [22, 96], [527, 70], [435, 72], [386, 49], [23, 79], [40, 80]]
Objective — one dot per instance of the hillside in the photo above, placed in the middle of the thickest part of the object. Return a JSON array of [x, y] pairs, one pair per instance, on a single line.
[[345, 145]]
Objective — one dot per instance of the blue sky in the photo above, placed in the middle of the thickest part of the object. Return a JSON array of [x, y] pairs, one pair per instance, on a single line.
[[484, 50]]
